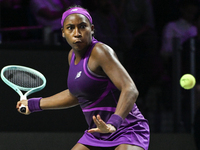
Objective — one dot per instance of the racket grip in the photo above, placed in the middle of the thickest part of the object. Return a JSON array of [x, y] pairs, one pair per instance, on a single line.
[[22, 108]]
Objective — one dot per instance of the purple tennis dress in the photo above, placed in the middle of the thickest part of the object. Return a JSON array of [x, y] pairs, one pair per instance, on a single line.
[[98, 95]]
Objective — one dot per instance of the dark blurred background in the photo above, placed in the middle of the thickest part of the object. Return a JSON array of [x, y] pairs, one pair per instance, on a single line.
[[157, 41]]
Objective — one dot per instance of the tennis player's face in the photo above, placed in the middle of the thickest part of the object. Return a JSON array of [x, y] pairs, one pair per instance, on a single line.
[[77, 31]]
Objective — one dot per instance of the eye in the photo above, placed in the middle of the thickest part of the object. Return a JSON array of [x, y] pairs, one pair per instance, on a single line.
[[82, 26], [69, 28]]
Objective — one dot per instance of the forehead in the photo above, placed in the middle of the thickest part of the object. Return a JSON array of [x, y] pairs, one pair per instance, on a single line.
[[76, 18]]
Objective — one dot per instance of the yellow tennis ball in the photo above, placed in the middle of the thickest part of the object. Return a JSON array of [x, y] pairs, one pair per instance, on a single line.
[[187, 81]]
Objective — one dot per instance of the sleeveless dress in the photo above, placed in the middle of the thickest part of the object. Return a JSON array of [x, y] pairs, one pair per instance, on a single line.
[[98, 95]]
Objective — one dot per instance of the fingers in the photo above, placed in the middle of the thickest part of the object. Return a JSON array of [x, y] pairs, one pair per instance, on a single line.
[[25, 103], [99, 122], [25, 113], [18, 105], [96, 121], [102, 127], [93, 130]]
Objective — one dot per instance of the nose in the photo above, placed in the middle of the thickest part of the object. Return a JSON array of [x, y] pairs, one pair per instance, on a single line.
[[77, 32]]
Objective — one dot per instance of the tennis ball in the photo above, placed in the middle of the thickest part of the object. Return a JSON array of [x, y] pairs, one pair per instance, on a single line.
[[187, 81]]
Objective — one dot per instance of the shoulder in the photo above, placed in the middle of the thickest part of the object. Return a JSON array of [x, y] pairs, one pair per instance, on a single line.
[[102, 54], [102, 50]]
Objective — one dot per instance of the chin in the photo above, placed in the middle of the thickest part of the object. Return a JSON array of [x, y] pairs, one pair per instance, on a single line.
[[81, 46]]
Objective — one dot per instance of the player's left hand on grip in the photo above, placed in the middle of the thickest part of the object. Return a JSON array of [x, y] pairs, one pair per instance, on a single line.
[[25, 103], [102, 127]]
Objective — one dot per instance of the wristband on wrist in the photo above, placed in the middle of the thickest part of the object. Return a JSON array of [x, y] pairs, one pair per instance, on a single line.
[[34, 104], [115, 120]]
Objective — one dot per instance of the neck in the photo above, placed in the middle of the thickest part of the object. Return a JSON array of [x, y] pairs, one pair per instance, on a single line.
[[79, 54]]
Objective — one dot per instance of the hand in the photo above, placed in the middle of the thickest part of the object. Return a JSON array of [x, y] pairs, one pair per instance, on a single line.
[[102, 127], [25, 103]]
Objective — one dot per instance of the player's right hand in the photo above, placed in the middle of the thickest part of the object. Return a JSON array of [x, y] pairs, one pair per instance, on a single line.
[[25, 103]]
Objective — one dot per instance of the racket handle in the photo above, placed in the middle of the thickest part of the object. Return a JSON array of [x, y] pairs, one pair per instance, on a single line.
[[22, 108]]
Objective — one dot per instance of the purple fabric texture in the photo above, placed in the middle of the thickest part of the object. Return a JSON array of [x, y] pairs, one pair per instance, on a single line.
[[34, 104], [98, 95], [75, 10], [115, 120]]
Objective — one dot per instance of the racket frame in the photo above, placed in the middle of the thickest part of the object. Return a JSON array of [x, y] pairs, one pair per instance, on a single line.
[[19, 89]]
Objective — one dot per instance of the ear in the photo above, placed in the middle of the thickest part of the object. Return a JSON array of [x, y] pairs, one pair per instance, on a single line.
[[63, 35], [92, 29]]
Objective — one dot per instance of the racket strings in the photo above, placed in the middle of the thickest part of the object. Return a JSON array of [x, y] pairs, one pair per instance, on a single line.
[[23, 78]]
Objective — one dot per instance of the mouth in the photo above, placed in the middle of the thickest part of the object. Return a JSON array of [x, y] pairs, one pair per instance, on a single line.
[[77, 41]]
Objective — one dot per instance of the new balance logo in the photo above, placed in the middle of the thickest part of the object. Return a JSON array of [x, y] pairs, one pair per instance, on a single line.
[[78, 74], [74, 9]]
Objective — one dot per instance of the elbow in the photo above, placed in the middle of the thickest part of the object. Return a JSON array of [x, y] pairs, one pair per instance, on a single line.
[[135, 94]]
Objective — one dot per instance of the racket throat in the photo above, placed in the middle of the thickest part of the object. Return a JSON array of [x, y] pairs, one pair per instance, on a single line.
[[23, 97]]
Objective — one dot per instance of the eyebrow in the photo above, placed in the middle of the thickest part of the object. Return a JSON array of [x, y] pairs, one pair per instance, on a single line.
[[73, 24]]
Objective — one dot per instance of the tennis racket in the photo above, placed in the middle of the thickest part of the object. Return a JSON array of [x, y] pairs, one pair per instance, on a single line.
[[21, 78]]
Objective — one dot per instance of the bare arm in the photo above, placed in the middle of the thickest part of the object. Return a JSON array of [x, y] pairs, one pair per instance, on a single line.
[[105, 57], [61, 100], [104, 61]]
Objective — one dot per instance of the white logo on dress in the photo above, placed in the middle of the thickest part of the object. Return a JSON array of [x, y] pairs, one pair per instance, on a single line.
[[78, 74], [74, 9]]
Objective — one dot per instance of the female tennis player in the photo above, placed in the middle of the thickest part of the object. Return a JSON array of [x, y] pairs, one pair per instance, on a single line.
[[101, 86]]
